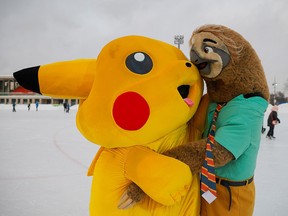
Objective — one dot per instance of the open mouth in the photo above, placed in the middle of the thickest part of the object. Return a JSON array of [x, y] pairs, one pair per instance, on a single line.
[[184, 91], [201, 65]]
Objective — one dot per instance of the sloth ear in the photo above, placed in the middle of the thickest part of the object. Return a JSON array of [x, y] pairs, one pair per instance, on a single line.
[[70, 79]]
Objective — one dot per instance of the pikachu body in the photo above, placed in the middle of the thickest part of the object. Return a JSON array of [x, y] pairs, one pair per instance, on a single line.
[[136, 100]]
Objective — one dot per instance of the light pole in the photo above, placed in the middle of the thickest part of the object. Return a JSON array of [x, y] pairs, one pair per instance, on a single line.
[[178, 39], [274, 84]]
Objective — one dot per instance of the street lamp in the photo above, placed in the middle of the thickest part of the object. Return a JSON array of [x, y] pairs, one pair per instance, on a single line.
[[274, 84], [178, 39]]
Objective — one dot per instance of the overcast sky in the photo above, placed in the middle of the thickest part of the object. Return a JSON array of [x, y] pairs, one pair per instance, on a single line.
[[35, 32]]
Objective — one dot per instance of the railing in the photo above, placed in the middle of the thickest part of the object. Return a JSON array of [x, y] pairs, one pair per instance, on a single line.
[[16, 93]]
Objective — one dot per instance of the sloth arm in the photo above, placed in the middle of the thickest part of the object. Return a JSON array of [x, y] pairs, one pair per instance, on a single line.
[[192, 154]]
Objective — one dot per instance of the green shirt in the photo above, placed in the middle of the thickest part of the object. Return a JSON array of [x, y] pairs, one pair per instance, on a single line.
[[238, 129]]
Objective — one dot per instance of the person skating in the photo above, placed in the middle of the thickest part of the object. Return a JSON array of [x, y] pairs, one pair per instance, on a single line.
[[37, 105], [272, 121], [13, 107]]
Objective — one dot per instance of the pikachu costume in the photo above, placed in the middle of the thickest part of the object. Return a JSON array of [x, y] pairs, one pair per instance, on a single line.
[[136, 100]]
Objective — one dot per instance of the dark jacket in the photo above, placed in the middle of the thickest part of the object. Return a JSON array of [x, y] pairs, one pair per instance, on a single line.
[[272, 117]]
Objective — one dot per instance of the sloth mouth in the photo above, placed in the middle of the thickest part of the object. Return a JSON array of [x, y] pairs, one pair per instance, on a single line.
[[201, 66], [183, 90]]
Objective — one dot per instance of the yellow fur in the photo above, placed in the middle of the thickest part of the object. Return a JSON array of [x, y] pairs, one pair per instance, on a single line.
[[133, 116]]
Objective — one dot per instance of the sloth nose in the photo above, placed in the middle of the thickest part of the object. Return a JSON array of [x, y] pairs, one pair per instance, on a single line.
[[194, 58]]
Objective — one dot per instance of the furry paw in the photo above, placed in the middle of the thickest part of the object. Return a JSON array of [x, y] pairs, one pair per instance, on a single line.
[[131, 196]]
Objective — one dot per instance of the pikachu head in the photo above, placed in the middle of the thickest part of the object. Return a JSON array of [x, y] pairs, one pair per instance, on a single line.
[[137, 90]]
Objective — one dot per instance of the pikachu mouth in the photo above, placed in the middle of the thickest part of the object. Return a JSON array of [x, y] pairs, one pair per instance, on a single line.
[[184, 92]]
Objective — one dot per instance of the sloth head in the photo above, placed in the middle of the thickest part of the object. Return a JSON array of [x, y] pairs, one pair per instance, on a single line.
[[227, 62]]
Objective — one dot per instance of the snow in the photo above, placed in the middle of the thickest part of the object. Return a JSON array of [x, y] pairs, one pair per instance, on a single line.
[[44, 160]]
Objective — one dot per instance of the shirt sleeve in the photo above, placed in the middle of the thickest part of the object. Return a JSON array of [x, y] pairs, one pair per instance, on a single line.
[[235, 128]]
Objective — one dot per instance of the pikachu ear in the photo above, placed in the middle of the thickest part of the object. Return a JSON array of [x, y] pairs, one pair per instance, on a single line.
[[28, 78], [70, 79]]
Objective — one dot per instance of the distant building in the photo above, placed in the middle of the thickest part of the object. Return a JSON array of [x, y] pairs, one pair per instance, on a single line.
[[11, 91]]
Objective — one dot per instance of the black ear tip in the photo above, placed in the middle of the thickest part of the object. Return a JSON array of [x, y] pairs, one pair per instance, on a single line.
[[28, 78]]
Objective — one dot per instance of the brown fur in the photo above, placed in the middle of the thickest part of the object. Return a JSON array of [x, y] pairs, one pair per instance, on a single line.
[[135, 192], [193, 154], [243, 75]]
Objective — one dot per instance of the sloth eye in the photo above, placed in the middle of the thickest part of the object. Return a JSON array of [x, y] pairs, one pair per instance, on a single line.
[[208, 49], [139, 63]]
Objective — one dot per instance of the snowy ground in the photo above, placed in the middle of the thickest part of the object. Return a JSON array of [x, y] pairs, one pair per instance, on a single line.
[[44, 159]]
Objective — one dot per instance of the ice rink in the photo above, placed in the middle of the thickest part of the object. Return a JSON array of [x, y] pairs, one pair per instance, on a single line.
[[44, 160]]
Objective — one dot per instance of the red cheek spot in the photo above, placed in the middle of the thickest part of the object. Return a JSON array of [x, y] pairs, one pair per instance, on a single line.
[[130, 111]]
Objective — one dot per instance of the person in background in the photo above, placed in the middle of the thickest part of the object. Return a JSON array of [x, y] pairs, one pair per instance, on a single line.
[[67, 107], [28, 106], [263, 130], [272, 121], [13, 107], [37, 105]]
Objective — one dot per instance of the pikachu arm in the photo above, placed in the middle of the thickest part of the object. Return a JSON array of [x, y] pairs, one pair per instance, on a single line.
[[91, 168], [164, 179]]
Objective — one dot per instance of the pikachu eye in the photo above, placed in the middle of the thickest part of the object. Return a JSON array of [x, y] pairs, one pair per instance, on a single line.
[[139, 63]]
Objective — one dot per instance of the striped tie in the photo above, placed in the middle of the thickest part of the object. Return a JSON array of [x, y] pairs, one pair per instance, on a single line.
[[208, 179]]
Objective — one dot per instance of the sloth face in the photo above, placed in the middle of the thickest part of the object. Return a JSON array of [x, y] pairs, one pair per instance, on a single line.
[[209, 54]]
